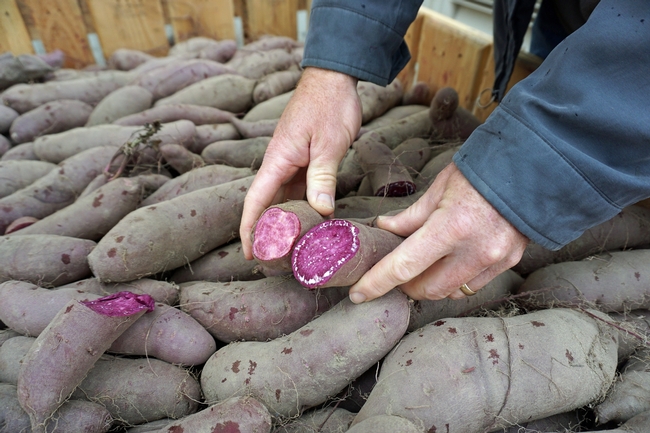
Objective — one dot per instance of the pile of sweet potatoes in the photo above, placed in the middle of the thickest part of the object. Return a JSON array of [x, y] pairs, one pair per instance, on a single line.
[[126, 303]]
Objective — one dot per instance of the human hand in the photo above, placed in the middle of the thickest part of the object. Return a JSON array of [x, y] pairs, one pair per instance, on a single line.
[[317, 127], [453, 237]]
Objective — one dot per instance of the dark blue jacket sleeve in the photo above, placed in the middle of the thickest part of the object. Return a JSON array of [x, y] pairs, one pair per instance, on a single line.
[[570, 145], [364, 39]]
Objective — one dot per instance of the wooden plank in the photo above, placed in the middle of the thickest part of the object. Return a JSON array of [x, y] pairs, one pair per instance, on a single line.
[[14, 36], [272, 17], [60, 26], [412, 39], [525, 64], [451, 54], [135, 24], [209, 18]]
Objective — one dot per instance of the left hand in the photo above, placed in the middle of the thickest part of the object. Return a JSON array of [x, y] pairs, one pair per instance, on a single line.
[[453, 236]]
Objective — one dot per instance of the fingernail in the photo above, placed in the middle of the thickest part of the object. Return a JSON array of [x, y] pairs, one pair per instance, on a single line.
[[357, 297], [325, 201]]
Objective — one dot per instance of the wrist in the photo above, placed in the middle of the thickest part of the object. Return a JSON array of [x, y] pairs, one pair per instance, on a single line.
[[332, 78]]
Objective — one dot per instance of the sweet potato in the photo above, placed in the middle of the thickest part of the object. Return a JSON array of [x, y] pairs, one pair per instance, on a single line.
[[168, 334], [392, 115], [609, 282], [257, 64], [386, 174], [236, 414], [325, 420], [91, 90], [227, 92], [61, 356], [197, 114], [269, 42], [120, 103], [436, 164], [180, 159], [318, 360], [57, 189], [349, 175], [393, 134], [49, 260], [259, 128], [269, 109], [275, 84], [207, 134], [247, 152], [255, 310], [125, 59], [413, 154], [386, 423], [449, 120], [93, 215], [12, 353], [201, 177], [167, 235], [160, 291], [498, 366], [278, 229], [629, 229], [630, 393], [49, 118], [140, 390], [225, 263], [376, 100], [57, 147], [5, 145], [17, 174], [7, 116], [637, 424], [420, 93], [23, 151], [365, 207], [6, 334]]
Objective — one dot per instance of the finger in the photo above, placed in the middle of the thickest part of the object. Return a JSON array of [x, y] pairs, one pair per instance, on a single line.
[[321, 182], [402, 265]]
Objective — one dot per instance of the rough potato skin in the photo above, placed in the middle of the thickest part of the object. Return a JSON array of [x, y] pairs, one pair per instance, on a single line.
[[501, 370], [312, 363], [50, 118]]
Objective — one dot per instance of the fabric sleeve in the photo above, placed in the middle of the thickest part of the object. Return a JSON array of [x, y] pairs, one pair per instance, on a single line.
[[570, 145], [364, 39]]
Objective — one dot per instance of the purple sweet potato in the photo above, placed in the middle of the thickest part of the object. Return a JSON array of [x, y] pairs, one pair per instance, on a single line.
[[208, 134], [49, 118], [120, 103], [387, 176], [385, 423], [220, 52], [449, 120], [365, 207], [255, 310], [394, 114], [168, 334], [269, 109], [413, 154], [236, 414], [5, 145], [93, 215], [608, 282], [259, 128], [349, 174], [24, 151], [275, 84], [441, 158], [376, 100], [17, 174], [140, 390], [629, 229], [61, 356], [325, 420], [91, 90], [269, 42], [57, 147], [191, 46], [125, 59], [497, 365], [338, 252], [257, 64], [6, 334], [229, 92], [420, 93], [247, 152], [56, 189], [180, 159], [169, 234], [304, 368], [225, 263], [7, 116], [201, 177], [278, 229], [416, 125], [48, 260], [197, 114], [160, 291], [12, 353]]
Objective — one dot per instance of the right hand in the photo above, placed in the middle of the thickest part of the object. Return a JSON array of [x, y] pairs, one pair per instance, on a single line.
[[316, 129]]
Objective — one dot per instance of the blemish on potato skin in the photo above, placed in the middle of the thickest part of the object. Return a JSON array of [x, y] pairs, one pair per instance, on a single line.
[[98, 200], [67, 310], [65, 258], [176, 429], [409, 362], [439, 323], [287, 350], [235, 366], [119, 239], [112, 252], [468, 370], [180, 216], [637, 275], [232, 313], [251, 368], [7, 209], [521, 346], [227, 427], [193, 212], [489, 338], [569, 355], [306, 332], [494, 356], [452, 331], [277, 394], [222, 254], [537, 324]]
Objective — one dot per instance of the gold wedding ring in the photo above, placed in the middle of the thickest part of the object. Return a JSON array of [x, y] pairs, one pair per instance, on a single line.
[[466, 290]]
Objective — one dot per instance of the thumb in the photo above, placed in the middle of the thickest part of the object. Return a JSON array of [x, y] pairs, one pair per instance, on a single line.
[[321, 183]]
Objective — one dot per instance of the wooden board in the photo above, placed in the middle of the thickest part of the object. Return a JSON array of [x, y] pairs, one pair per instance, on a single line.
[[451, 54], [135, 24], [412, 39], [271, 17], [525, 64], [14, 36], [210, 18], [60, 26]]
